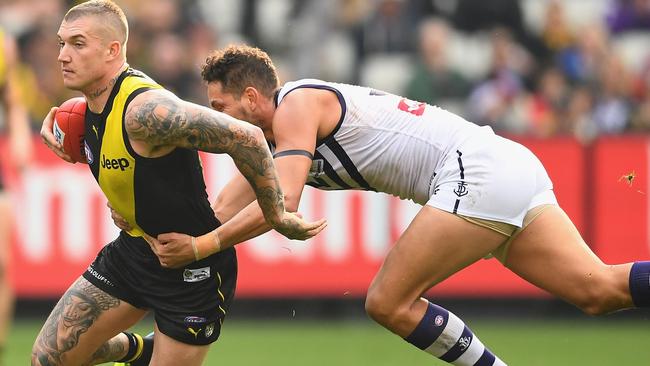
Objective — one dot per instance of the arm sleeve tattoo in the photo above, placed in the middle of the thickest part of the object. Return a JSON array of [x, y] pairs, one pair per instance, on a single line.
[[161, 119]]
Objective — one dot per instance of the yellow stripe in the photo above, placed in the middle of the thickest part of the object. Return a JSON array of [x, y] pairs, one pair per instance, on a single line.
[[219, 289], [223, 299], [138, 352]]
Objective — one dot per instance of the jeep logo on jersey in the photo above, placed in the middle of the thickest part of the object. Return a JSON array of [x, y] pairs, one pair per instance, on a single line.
[[121, 163]]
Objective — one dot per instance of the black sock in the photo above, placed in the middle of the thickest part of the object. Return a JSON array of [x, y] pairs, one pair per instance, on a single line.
[[147, 350], [139, 351]]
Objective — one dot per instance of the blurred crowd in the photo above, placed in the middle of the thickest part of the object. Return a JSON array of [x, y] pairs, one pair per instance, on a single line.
[[531, 67]]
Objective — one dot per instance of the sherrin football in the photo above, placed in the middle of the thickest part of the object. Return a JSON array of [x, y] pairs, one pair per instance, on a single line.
[[69, 127]]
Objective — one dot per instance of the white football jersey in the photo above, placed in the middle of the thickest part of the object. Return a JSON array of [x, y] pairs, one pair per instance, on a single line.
[[384, 142]]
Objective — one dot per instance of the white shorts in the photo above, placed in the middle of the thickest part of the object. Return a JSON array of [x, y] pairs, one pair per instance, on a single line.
[[491, 178]]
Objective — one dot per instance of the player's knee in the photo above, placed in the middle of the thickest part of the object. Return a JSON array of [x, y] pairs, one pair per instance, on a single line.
[[376, 307], [384, 311]]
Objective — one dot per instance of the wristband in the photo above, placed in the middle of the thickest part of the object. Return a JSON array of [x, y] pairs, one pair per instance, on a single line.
[[217, 242], [195, 249], [203, 248]]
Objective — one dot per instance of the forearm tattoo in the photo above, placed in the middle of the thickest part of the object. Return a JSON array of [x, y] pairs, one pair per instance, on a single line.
[[110, 351], [72, 316], [161, 119]]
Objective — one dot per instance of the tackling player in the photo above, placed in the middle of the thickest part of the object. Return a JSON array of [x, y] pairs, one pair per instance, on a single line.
[[481, 195]]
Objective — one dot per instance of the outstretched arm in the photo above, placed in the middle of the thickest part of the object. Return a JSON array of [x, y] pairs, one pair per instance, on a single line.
[[233, 197], [295, 128], [161, 120], [249, 222], [230, 202]]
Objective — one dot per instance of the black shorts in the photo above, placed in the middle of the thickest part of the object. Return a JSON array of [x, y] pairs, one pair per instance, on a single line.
[[189, 304]]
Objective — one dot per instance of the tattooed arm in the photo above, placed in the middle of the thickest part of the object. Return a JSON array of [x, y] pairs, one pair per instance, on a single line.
[[161, 121]]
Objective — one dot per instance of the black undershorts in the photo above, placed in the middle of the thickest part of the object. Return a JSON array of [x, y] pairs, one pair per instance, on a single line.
[[189, 304]]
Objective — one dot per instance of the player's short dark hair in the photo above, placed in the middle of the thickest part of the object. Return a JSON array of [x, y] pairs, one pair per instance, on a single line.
[[237, 67], [111, 13]]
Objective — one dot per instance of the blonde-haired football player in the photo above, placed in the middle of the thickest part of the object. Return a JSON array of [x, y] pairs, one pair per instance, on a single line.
[[144, 158]]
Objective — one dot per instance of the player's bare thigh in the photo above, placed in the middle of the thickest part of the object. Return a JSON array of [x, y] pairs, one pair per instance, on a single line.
[[436, 245], [170, 352], [551, 254], [83, 320]]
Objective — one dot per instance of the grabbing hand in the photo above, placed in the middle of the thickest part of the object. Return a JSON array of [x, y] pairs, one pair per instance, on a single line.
[[172, 249], [293, 226], [48, 136], [119, 220]]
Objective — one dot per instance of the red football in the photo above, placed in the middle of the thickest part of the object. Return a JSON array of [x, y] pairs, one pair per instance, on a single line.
[[69, 127]]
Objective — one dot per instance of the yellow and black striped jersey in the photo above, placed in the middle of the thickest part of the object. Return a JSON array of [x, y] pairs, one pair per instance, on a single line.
[[155, 195]]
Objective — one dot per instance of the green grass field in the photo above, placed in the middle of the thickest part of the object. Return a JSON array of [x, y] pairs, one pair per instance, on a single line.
[[541, 342]]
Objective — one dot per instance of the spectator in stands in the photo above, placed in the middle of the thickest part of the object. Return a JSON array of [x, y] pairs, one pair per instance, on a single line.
[[494, 101], [388, 29], [578, 117], [200, 38], [582, 61], [640, 121], [170, 64], [433, 79], [313, 25], [556, 32], [612, 110], [544, 107], [629, 15], [40, 83], [473, 16]]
